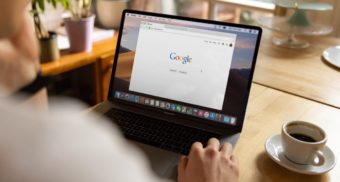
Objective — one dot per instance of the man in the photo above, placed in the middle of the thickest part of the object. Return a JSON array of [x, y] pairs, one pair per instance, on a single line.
[[63, 146]]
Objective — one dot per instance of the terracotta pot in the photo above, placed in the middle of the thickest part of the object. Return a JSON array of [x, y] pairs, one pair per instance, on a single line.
[[79, 33]]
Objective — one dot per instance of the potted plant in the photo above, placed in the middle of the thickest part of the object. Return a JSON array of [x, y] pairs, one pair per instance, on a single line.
[[47, 40], [79, 26]]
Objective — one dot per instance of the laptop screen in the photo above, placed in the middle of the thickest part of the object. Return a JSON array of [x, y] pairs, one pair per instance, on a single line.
[[196, 68]]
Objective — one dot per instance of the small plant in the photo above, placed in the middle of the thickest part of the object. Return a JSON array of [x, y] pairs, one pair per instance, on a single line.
[[80, 9], [38, 6]]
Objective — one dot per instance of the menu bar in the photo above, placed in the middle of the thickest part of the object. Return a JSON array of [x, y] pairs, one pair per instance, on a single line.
[[206, 25]]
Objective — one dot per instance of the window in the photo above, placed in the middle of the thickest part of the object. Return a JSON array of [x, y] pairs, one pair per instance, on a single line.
[[183, 71]]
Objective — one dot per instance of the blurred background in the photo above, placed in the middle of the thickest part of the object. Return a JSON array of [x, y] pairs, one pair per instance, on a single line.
[[244, 11], [78, 84]]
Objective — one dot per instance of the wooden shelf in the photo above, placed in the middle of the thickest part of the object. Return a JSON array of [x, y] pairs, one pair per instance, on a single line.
[[70, 62]]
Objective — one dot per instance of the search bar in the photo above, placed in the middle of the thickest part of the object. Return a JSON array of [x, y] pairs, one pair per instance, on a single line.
[[201, 31]]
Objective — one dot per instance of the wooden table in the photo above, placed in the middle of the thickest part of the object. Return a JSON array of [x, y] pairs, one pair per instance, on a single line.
[[267, 110], [68, 62], [296, 72], [300, 72], [101, 57]]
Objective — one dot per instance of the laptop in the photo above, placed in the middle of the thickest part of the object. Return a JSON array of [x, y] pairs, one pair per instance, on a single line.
[[177, 80]]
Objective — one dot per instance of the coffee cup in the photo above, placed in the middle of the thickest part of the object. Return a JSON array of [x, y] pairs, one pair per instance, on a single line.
[[302, 142]]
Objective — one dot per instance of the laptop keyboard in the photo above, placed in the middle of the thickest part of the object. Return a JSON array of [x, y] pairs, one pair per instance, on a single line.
[[158, 133]]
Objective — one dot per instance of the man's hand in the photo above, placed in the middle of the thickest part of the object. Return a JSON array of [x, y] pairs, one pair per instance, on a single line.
[[210, 164], [19, 60]]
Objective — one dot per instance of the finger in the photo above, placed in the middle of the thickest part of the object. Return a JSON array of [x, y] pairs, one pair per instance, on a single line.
[[226, 149], [196, 145], [214, 143], [182, 164], [234, 159], [181, 167], [196, 148]]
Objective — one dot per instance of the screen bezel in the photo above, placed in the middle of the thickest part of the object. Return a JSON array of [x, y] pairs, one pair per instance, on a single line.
[[240, 119]]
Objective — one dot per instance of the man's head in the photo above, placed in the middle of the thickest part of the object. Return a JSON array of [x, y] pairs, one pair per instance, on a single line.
[[12, 13], [19, 48]]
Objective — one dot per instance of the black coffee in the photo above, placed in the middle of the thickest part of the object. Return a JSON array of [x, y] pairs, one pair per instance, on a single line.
[[302, 137]]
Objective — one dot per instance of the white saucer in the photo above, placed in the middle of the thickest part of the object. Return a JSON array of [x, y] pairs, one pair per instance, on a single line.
[[332, 55], [275, 152]]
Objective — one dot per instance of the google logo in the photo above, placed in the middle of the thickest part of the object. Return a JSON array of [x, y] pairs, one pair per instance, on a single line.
[[184, 60]]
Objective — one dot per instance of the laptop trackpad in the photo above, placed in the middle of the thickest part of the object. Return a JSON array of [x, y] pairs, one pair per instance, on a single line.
[[163, 163]]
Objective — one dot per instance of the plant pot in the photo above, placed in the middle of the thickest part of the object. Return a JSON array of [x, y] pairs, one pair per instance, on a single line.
[[79, 33], [49, 48], [109, 12]]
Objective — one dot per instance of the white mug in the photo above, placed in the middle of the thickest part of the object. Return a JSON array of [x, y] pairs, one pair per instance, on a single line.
[[302, 142]]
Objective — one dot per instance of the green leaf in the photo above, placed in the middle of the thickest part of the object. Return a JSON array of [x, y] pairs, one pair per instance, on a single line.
[[65, 4], [54, 3], [41, 5]]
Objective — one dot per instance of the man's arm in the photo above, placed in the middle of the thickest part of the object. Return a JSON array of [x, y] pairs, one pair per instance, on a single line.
[[64, 145]]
